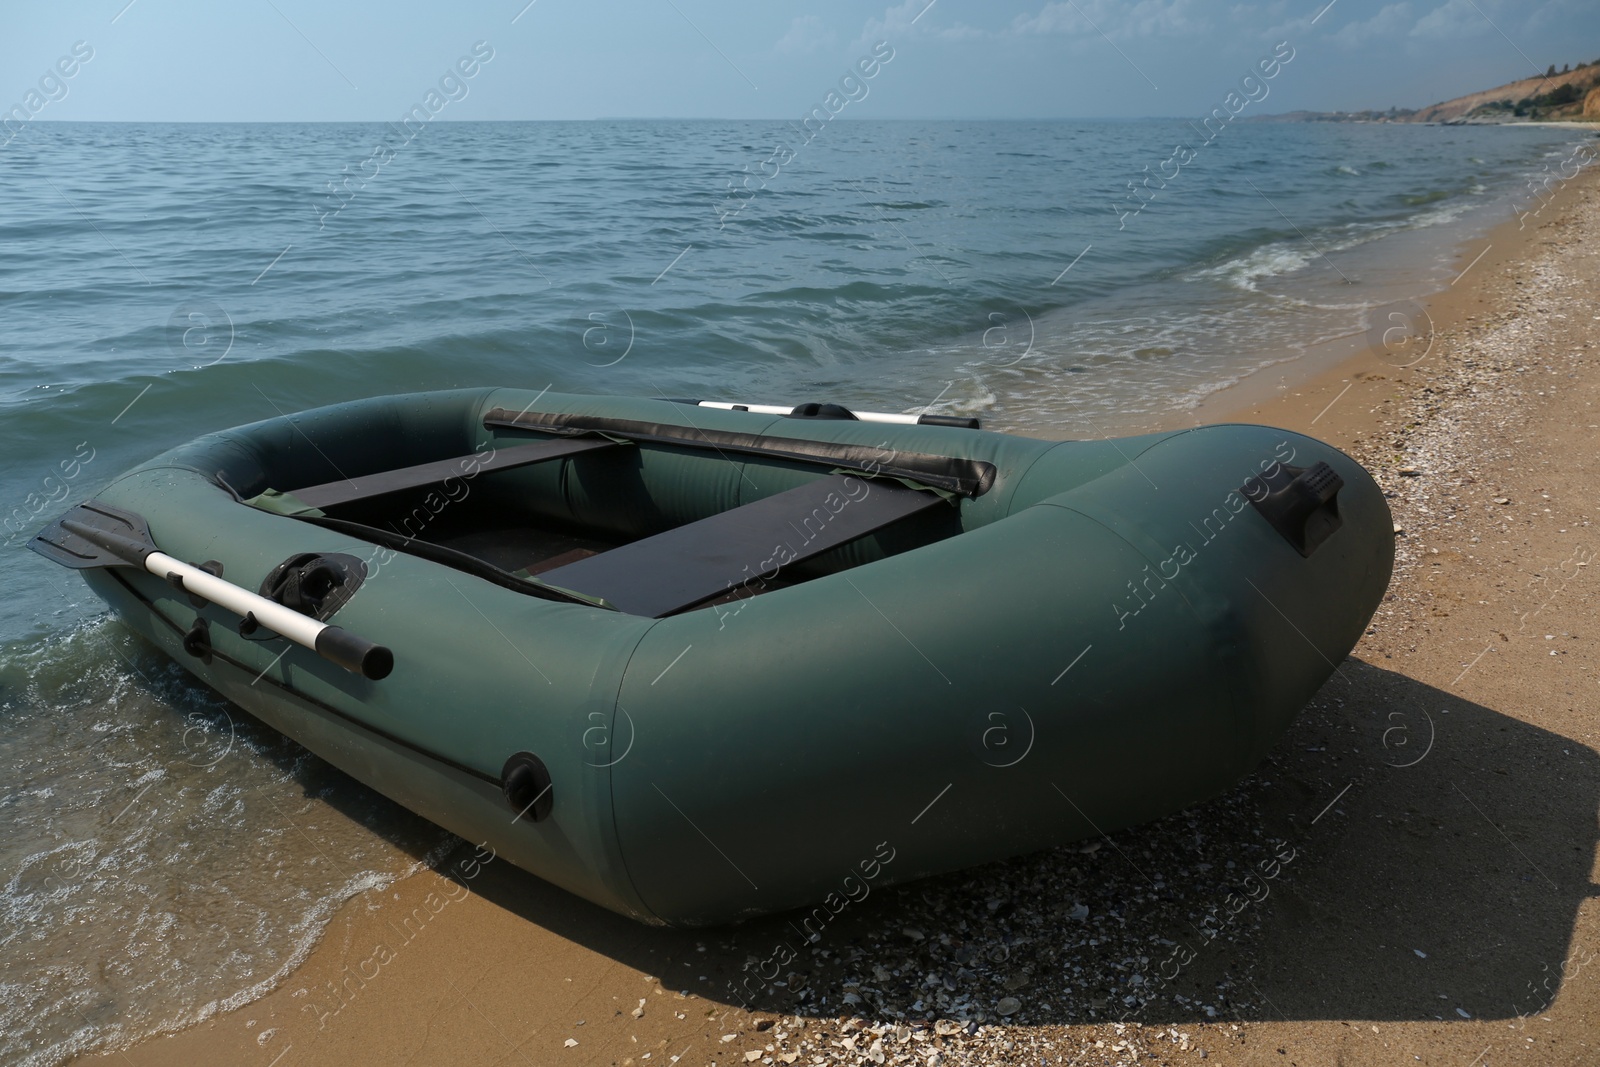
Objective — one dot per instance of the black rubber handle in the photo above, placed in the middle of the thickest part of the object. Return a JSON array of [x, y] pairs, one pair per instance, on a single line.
[[1301, 503], [355, 654], [815, 410], [960, 422]]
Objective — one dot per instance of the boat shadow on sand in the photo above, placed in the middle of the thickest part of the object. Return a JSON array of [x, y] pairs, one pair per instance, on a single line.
[[1403, 854]]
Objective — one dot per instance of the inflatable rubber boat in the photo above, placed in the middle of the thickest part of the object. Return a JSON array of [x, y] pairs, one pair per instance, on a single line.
[[696, 662]]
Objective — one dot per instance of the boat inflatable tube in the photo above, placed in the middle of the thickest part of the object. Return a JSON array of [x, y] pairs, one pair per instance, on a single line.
[[696, 664]]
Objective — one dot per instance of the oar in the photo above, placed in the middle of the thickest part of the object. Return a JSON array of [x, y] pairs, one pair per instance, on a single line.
[[835, 411], [98, 535]]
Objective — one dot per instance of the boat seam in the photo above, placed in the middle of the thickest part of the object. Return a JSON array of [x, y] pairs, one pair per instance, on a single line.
[[611, 778]]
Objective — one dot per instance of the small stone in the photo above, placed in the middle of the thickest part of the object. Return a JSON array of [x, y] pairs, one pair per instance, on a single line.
[[728, 1037], [1008, 1006], [752, 1056], [1079, 911], [1421, 955], [571, 1042], [1502, 500]]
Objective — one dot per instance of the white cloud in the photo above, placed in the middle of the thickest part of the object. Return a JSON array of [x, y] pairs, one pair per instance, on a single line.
[[1147, 18], [1452, 19], [915, 17], [1052, 18], [1390, 24], [1558, 13], [1068, 18], [896, 21]]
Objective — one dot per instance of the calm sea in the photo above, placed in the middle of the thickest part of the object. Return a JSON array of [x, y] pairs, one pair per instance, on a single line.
[[164, 858]]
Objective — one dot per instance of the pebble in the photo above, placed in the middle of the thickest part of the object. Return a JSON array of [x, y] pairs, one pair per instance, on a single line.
[[1078, 923]]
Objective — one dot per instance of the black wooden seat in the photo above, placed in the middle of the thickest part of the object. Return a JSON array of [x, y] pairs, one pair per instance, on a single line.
[[684, 566], [423, 475]]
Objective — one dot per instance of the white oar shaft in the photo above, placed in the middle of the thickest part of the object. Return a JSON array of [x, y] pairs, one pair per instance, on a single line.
[[125, 537], [778, 409], [759, 409], [302, 629]]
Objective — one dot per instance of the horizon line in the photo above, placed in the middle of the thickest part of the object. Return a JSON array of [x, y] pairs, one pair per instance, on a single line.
[[715, 118]]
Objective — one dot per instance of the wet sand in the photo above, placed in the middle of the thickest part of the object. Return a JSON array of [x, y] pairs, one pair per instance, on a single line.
[[1437, 802]]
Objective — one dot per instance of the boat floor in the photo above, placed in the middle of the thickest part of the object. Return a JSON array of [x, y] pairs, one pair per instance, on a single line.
[[526, 550], [522, 549]]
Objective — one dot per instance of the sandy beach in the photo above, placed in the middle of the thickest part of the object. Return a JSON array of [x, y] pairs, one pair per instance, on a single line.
[[1430, 819]]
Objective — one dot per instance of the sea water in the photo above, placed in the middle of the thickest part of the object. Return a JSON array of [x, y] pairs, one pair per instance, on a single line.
[[164, 857]]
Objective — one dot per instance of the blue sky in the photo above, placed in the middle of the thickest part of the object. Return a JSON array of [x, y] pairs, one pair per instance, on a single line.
[[304, 60]]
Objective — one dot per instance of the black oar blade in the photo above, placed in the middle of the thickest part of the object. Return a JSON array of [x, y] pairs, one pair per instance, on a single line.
[[95, 535]]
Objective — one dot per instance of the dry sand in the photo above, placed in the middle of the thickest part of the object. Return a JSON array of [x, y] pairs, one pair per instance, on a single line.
[[1437, 802]]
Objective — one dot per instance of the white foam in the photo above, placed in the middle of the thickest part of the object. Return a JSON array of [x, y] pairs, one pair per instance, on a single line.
[[1267, 261], [125, 856]]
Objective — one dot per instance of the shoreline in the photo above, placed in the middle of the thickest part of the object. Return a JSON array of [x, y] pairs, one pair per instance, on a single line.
[[1410, 273], [503, 968], [1355, 358]]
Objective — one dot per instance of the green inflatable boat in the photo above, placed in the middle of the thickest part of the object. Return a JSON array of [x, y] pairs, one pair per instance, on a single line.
[[696, 662]]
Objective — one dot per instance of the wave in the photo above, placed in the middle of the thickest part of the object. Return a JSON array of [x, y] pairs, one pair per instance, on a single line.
[[1268, 261], [133, 789], [1284, 256], [1430, 197]]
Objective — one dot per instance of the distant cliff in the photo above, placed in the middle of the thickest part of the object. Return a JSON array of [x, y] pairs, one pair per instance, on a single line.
[[1566, 94]]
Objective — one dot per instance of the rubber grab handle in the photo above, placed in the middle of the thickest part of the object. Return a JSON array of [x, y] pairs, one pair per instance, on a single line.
[[354, 653]]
